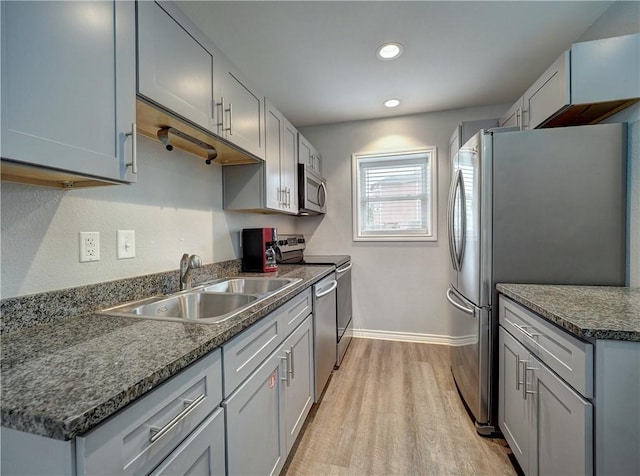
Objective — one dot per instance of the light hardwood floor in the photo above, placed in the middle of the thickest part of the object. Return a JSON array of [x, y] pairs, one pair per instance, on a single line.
[[392, 409]]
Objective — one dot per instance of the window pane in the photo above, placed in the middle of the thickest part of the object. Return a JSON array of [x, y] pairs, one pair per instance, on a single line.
[[394, 195]]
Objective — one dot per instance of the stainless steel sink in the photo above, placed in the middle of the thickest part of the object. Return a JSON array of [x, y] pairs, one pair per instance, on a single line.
[[207, 304], [259, 286], [192, 306]]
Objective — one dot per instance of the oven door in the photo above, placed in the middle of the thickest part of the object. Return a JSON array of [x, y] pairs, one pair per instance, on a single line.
[[312, 192]]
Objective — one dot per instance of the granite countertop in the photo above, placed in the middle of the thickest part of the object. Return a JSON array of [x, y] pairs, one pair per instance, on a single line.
[[61, 379], [589, 312]]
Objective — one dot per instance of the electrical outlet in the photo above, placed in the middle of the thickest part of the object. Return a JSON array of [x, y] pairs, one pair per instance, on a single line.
[[126, 244], [89, 246]]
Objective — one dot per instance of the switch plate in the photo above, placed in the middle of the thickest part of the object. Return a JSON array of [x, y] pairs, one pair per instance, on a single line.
[[126, 244], [89, 246]]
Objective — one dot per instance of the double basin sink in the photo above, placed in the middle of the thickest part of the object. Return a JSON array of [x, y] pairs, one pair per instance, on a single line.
[[209, 303]]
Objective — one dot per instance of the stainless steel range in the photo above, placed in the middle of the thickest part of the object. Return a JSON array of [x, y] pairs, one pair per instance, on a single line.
[[291, 251]]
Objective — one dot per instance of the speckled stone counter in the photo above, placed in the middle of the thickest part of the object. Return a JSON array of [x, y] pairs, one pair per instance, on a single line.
[[62, 378], [589, 312]]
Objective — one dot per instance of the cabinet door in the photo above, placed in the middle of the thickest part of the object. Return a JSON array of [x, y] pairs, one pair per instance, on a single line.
[[276, 198], [308, 155], [289, 172], [68, 86], [549, 94], [513, 117], [201, 453], [562, 425], [241, 113], [513, 412], [255, 435], [174, 70], [299, 385]]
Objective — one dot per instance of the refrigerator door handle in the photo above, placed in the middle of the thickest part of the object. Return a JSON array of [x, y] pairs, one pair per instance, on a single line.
[[457, 305], [452, 194], [463, 224]]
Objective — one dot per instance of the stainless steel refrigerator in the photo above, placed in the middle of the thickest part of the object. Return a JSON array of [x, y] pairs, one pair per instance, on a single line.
[[541, 206]]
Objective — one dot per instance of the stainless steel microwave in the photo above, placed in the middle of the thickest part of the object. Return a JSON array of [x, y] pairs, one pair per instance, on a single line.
[[312, 192]]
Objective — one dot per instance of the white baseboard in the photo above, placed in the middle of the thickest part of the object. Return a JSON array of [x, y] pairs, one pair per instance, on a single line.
[[413, 337]]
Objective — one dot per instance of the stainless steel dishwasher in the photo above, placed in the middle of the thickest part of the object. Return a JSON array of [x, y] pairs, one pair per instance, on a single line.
[[324, 330]]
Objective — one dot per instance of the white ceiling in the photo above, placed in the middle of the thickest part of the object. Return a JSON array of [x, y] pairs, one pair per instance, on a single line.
[[316, 60]]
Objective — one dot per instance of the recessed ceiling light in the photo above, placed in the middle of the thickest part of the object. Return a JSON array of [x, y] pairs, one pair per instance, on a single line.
[[392, 102], [389, 51]]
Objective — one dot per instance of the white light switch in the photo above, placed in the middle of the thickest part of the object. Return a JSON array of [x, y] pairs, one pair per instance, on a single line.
[[126, 244]]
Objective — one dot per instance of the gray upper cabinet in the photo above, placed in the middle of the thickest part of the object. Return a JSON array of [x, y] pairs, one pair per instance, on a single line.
[[513, 117], [270, 186], [586, 84], [175, 71], [464, 131], [240, 109], [550, 93], [280, 161], [68, 92], [308, 155]]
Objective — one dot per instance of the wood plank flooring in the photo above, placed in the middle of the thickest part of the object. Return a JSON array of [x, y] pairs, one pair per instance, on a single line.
[[392, 409]]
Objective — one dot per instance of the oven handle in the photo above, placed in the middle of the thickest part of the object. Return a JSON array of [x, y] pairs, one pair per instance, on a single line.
[[344, 269], [334, 284]]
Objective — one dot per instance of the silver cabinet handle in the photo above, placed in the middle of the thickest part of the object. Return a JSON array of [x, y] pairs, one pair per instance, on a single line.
[[344, 269], [230, 111], [334, 284], [157, 433], [292, 370], [457, 305], [518, 362], [287, 372], [288, 197], [523, 329], [526, 392], [221, 123], [134, 147]]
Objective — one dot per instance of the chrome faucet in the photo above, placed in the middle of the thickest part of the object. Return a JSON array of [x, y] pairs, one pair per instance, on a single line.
[[188, 263]]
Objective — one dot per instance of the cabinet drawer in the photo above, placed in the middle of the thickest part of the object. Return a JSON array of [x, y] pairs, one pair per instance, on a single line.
[[201, 453], [245, 352], [567, 356], [296, 310], [122, 444]]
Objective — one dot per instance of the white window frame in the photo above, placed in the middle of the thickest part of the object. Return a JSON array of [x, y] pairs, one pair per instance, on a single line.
[[399, 235]]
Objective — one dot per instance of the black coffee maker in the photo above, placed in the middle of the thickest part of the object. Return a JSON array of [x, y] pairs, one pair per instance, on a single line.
[[259, 250]]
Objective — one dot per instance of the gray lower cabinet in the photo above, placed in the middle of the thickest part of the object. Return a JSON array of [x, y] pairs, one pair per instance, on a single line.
[[167, 423], [68, 92], [175, 70], [546, 423], [299, 389], [202, 453], [266, 412], [176, 428]]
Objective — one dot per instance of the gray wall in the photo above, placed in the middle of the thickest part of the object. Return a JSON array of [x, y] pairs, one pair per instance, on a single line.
[[175, 208], [398, 287]]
